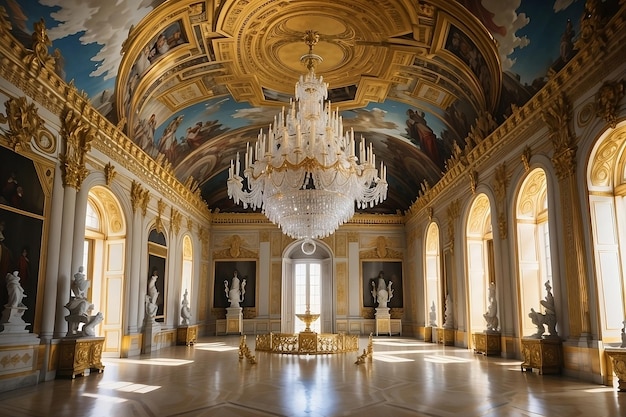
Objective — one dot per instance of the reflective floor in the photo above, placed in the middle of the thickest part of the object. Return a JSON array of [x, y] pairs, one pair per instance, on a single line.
[[405, 378]]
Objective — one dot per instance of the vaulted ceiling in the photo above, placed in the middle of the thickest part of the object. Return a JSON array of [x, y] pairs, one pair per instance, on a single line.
[[193, 81]]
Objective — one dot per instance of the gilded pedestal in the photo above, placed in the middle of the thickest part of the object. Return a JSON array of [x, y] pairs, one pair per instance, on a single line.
[[487, 343], [445, 336], [545, 355], [186, 335], [234, 320], [78, 355], [428, 334], [383, 321], [618, 358]]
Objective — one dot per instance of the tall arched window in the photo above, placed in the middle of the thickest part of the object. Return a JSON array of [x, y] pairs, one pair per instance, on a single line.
[[479, 258], [534, 258], [187, 273], [606, 182], [433, 275]]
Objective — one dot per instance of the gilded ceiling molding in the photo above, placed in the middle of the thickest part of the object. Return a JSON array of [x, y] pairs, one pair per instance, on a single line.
[[558, 117], [235, 250], [526, 155], [500, 183], [607, 101], [77, 135], [175, 220], [136, 195], [473, 180], [158, 223], [39, 57], [381, 251], [109, 174], [453, 211], [24, 123]]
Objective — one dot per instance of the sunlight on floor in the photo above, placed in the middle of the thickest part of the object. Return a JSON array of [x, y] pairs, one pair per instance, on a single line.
[[128, 387], [445, 359], [215, 347], [106, 398], [152, 361], [390, 358]]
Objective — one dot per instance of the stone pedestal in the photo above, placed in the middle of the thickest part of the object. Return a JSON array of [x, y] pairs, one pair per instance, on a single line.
[[545, 355], [445, 336], [487, 343], [151, 330], [383, 321], [19, 358], [618, 358], [234, 320], [12, 322], [186, 335], [428, 334], [78, 355]]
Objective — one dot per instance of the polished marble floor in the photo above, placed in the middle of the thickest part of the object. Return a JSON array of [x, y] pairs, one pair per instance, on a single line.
[[405, 378]]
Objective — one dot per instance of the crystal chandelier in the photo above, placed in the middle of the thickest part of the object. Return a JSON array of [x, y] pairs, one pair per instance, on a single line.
[[304, 173]]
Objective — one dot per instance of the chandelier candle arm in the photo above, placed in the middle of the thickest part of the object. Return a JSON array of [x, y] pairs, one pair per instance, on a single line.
[[304, 174]]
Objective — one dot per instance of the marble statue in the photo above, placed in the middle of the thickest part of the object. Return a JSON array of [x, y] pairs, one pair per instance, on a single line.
[[185, 311], [79, 309], [491, 316], [153, 292], [151, 308], [448, 322], [550, 314], [432, 316], [15, 290], [381, 291], [537, 319], [89, 329], [80, 285], [237, 289], [623, 345]]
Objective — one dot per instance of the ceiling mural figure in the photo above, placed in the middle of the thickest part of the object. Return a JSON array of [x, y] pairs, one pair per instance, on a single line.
[[192, 82]]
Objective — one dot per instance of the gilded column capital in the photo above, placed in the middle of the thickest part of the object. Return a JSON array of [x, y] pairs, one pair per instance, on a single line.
[[526, 155], [353, 236], [136, 195], [558, 116], [500, 183], [473, 180], [77, 135], [175, 220], [23, 120], [565, 163], [452, 213], [159, 220], [189, 224], [109, 173]]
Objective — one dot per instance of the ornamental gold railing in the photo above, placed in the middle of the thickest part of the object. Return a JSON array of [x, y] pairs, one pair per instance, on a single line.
[[307, 343]]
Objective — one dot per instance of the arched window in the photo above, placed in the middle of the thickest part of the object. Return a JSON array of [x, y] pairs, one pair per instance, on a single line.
[[433, 276]]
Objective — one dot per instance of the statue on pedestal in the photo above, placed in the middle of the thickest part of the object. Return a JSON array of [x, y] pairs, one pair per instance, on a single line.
[[15, 290], [80, 308], [11, 320], [381, 291], [548, 318], [491, 316], [152, 296], [237, 289], [432, 316], [623, 345], [185, 311]]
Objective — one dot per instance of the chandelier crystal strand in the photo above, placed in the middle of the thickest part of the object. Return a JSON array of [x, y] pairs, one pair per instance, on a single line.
[[304, 172]]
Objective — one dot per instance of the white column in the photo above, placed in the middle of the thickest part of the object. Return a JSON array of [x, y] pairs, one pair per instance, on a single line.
[[135, 270], [52, 265], [65, 261], [80, 214]]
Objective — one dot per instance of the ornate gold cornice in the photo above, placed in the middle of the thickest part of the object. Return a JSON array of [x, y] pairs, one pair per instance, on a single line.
[[381, 251], [24, 124], [236, 250], [77, 135], [39, 57]]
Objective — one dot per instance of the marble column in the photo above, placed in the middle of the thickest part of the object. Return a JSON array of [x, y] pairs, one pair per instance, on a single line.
[[65, 261]]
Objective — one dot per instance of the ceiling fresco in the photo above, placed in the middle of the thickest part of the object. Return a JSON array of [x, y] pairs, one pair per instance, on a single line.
[[193, 81]]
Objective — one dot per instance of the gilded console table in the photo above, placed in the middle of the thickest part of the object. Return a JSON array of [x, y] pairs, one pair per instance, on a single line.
[[545, 355], [487, 343], [445, 336], [618, 357], [78, 355], [186, 335]]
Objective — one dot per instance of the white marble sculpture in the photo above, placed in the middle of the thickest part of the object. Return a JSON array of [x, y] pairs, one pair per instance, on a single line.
[[491, 316], [623, 345], [237, 290], [80, 285], [432, 316], [541, 320], [80, 309], [382, 291], [185, 311], [11, 320], [448, 322], [152, 296]]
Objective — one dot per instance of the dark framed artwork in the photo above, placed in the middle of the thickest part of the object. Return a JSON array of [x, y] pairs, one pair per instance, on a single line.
[[224, 271], [392, 271]]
